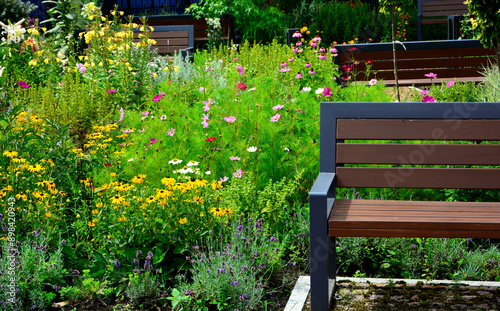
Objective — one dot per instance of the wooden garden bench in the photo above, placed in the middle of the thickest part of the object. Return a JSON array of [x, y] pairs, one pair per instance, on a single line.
[[463, 60], [440, 12], [200, 25], [172, 39], [412, 164]]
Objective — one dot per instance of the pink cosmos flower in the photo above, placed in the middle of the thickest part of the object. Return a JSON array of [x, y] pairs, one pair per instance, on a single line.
[[171, 132], [152, 142], [230, 119], [205, 124], [234, 158], [202, 89], [224, 179], [424, 92], [211, 139], [141, 131], [207, 105], [127, 131], [284, 70], [23, 84], [327, 92], [240, 69], [450, 84], [235, 59], [372, 82], [238, 173], [298, 76], [278, 107], [431, 75], [145, 113], [206, 116], [112, 91], [275, 118], [351, 49], [428, 99], [122, 113]]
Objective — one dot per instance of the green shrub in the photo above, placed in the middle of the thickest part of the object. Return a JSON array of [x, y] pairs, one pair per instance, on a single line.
[[15, 10]]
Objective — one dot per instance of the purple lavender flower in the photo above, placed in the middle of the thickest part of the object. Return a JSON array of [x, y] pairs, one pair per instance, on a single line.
[[117, 264]]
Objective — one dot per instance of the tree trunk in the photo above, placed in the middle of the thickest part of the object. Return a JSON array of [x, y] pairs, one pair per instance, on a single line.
[[394, 51], [497, 39]]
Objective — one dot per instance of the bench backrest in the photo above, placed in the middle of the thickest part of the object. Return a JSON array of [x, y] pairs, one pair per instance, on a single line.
[[441, 8], [411, 164], [449, 59], [200, 25], [171, 39]]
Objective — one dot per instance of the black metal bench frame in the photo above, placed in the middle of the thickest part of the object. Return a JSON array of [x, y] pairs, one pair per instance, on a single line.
[[442, 11], [322, 195]]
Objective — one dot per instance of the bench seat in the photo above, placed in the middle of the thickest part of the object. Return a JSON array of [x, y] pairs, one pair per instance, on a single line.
[[386, 218]]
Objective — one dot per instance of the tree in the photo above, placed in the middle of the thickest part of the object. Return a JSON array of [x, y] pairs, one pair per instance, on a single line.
[[487, 20], [390, 7]]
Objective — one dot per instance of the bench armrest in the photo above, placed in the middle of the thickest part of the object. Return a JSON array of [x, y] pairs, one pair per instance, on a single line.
[[187, 53], [322, 194]]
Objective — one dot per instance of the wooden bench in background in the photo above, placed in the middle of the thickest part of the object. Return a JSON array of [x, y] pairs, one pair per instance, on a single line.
[[463, 60], [440, 12], [408, 165], [172, 39], [200, 25]]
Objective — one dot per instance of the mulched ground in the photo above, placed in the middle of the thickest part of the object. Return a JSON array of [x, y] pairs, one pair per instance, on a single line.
[[401, 296]]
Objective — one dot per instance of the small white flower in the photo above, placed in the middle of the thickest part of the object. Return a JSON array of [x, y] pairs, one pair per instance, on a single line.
[[306, 89], [175, 161], [208, 173], [252, 149], [319, 91], [286, 149], [131, 159], [1, 70], [163, 117], [192, 163]]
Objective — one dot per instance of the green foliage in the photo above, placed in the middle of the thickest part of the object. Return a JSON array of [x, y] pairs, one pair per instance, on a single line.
[[490, 88], [29, 266], [487, 19], [231, 272], [73, 102], [15, 10]]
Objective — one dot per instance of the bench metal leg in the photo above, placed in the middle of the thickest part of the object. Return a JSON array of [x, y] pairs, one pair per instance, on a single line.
[[322, 248]]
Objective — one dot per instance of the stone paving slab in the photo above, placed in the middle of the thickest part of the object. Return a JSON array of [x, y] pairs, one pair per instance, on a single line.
[[409, 295]]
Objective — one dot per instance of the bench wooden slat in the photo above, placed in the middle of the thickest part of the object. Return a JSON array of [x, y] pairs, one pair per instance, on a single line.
[[441, 2], [390, 129], [418, 178], [437, 12], [421, 154], [407, 233], [169, 34], [410, 82], [444, 53], [408, 64], [377, 215]]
